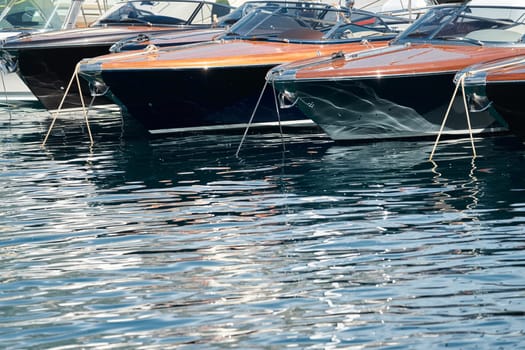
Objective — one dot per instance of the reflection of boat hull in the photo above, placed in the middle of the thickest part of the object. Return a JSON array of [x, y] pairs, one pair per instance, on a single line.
[[387, 108]]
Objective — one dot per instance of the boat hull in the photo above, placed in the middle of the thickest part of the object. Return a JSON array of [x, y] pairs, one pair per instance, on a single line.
[[178, 100], [47, 73], [213, 85], [14, 90], [507, 100], [395, 107]]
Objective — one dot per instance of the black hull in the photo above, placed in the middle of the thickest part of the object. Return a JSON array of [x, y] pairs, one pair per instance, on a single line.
[[385, 108], [196, 99], [507, 100], [47, 73]]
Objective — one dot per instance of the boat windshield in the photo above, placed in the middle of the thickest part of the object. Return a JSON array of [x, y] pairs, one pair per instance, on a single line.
[[476, 25], [43, 15], [33, 14], [178, 12], [311, 21]]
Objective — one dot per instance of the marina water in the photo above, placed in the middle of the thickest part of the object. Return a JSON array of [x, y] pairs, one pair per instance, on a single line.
[[174, 242]]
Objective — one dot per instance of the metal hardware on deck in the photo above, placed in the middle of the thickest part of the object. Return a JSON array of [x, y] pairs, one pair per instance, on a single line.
[[98, 88], [287, 96]]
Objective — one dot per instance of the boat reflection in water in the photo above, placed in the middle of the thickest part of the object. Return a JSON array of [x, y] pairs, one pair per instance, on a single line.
[[46, 61], [216, 85], [499, 87], [403, 91]]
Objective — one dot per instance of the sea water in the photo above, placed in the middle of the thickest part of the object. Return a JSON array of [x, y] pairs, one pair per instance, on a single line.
[[297, 242]]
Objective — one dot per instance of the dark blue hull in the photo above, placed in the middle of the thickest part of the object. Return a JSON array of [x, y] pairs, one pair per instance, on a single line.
[[398, 107], [507, 100], [198, 99]]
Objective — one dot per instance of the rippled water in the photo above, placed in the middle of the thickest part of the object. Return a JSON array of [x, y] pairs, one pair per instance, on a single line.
[[176, 243]]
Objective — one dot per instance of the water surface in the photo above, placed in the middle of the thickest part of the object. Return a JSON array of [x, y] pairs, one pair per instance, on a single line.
[[175, 242]]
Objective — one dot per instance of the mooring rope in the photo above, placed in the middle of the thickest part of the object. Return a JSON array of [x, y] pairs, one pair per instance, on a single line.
[[149, 48], [445, 118], [461, 82], [57, 112], [278, 115], [251, 119]]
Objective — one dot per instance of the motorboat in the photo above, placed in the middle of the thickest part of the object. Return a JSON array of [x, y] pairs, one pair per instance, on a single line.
[[22, 17], [404, 90], [217, 85], [498, 87], [46, 61]]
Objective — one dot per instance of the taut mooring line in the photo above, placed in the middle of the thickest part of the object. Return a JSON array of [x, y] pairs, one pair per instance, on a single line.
[[57, 112], [251, 119], [461, 82], [148, 49], [278, 115]]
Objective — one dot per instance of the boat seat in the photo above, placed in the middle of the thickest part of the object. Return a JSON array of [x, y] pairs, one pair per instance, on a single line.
[[494, 35], [520, 28]]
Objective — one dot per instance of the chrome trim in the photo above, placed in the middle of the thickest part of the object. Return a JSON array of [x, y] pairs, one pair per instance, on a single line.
[[471, 77]]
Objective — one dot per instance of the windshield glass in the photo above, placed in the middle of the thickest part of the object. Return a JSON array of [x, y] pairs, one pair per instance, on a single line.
[[33, 14], [471, 24], [40, 15], [311, 21], [165, 13]]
